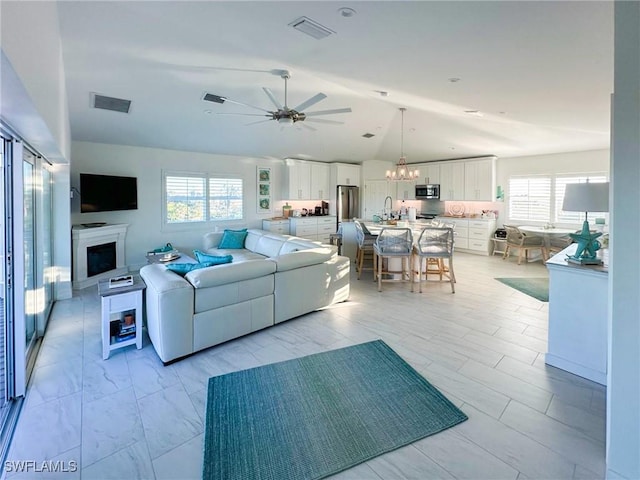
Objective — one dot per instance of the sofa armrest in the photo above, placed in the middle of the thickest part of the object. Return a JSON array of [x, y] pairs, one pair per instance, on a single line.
[[211, 240], [302, 258], [229, 273], [169, 300]]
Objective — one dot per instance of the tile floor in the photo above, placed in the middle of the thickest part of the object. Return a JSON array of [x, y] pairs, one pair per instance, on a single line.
[[131, 417]]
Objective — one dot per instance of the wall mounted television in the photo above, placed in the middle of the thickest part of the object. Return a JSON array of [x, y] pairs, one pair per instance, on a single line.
[[107, 193]]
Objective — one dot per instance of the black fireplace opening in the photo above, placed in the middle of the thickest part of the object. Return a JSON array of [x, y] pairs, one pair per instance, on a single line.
[[101, 258]]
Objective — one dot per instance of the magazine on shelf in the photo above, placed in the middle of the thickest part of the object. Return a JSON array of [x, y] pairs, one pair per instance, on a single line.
[[123, 281]]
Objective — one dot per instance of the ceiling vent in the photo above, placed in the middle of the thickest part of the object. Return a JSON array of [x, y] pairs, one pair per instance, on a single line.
[[311, 28], [110, 103], [210, 97], [368, 135]]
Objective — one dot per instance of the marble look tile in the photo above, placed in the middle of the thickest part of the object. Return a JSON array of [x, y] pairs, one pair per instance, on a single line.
[[199, 400], [149, 375], [181, 463], [65, 466], [194, 372], [407, 462], [463, 458], [582, 473], [599, 402], [513, 447], [560, 438], [503, 346], [527, 341], [109, 424], [56, 425], [508, 385], [359, 472], [588, 423], [170, 403], [132, 461], [470, 391], [468, 349], [56, 380], [104, 377], [537, 332]]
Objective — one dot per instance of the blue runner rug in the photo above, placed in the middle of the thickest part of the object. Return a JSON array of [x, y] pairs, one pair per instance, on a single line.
[[315, 416]]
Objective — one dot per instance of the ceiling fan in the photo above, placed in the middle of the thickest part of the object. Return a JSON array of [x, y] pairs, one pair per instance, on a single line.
[[283, 114]]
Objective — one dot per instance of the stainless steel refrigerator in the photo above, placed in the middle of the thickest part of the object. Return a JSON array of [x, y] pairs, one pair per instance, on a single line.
[[348, 203]]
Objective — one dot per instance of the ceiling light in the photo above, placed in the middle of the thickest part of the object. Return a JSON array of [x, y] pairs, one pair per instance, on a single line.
[[285, 121], [346, 12], [402, 172], [476, 113], [368, 135], [454, 79], [311, 28]]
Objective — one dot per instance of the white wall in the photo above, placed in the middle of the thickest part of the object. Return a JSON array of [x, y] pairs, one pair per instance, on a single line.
[[623, 379], [146, 229]]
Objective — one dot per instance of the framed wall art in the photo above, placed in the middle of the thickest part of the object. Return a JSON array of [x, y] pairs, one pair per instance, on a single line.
[[263, 193]]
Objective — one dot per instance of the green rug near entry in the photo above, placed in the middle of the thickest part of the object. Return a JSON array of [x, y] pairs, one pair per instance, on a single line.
[[536, 287], [315, 416]]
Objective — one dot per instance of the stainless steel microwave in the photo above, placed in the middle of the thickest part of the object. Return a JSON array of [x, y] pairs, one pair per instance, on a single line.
[[428, 192]]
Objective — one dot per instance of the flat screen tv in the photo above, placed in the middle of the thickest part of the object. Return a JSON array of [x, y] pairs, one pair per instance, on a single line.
[[107, 193]]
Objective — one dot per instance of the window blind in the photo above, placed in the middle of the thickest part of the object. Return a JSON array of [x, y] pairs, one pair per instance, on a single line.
[[530, 199], [225, 198], [560, 186]]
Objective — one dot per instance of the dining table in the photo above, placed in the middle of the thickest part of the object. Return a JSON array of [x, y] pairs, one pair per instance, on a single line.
[[546, 231]]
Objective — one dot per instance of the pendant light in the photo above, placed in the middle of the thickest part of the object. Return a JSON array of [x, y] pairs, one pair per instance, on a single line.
[[402, 171]]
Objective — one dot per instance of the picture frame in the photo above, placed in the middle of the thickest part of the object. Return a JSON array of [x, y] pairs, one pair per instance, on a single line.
[[263, 190]]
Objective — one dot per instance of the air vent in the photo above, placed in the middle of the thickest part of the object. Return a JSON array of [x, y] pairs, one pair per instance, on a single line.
[[210, 97], [110, 103], [311, 28], [368, 135]]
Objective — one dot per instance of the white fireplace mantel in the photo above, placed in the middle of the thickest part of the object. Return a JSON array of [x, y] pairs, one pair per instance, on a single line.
[[85, 237]]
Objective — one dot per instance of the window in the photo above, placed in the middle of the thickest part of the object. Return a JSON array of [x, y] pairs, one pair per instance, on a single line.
[[530, 198], [196, 197], [539, 198], [574, 217]]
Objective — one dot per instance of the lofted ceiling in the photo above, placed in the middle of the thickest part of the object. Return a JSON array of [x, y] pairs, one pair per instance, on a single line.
[[539, 74]]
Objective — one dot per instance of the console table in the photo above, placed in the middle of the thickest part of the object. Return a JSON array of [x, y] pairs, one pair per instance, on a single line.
[[578, 298]]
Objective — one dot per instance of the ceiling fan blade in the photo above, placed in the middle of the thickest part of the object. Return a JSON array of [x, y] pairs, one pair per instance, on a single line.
[[328, 112], [309, 127], [244, 114], [312, 101], [219, 99], [322, 120], [273, 98], [259, 121]]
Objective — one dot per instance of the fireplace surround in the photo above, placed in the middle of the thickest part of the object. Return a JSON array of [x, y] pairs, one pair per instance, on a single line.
[[94, 256]]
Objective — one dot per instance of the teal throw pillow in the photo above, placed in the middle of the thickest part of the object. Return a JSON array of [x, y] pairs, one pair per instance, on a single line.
[[233, 239], [183, 268], [215, 259]]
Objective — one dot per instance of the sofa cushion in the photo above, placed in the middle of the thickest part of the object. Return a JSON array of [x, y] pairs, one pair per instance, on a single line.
[[231, 272], [233, 239], [302, 258], [241, 255], [184, 268], [215, 259]]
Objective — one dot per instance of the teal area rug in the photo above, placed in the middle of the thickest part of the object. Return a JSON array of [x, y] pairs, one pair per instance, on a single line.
[[315, 416], [536, 287]]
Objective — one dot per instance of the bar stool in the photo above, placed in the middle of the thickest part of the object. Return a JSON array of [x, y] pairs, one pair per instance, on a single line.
[[393, 243]]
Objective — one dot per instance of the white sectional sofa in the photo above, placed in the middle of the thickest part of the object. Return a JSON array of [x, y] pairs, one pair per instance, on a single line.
[[273, 279]]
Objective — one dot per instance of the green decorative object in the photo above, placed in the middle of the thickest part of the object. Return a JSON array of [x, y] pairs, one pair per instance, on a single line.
[[315, 416], [587, 246]]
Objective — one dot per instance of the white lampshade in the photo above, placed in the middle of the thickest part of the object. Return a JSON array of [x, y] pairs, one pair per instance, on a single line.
[[586, 197]]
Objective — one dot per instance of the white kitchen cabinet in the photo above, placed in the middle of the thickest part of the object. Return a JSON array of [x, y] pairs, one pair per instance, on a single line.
[[406, 190], [472, 235], [276, 226], [479, 179], [313, 228], [452, 181], [429, 173], [299, 174], [319, 181], [345, 174]]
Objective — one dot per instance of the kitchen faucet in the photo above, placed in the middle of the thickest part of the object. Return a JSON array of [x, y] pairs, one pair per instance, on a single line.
[[384, 210]]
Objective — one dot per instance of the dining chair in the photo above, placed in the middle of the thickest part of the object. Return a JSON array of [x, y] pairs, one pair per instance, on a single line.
[[393, 243], [435, 243], [365, 240], [558, 243], [523, 242]]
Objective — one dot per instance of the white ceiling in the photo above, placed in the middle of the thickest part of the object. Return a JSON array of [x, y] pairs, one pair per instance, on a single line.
[[541, 73]]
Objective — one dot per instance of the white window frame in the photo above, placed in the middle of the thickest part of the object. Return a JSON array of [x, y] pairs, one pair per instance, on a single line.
[[531, 217], [207, 220], [556, 197]]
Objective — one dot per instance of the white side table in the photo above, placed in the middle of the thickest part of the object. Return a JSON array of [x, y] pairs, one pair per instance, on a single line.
[[118, 304], [499, 245]]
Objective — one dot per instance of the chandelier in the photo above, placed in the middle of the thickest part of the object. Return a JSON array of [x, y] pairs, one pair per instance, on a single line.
[[402, 171]]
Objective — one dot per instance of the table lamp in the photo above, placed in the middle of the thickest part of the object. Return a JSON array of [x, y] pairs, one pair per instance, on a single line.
[[586, 197]]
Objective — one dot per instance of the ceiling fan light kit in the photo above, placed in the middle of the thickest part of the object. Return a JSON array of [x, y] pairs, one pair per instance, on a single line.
[[402, 171], [283, 114]]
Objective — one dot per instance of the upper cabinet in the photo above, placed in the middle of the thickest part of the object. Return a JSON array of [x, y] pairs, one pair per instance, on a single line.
[[452, 180], [299, 181], [480, 179], [406, 190], [320, 181], [429, 173], [345, 174]]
